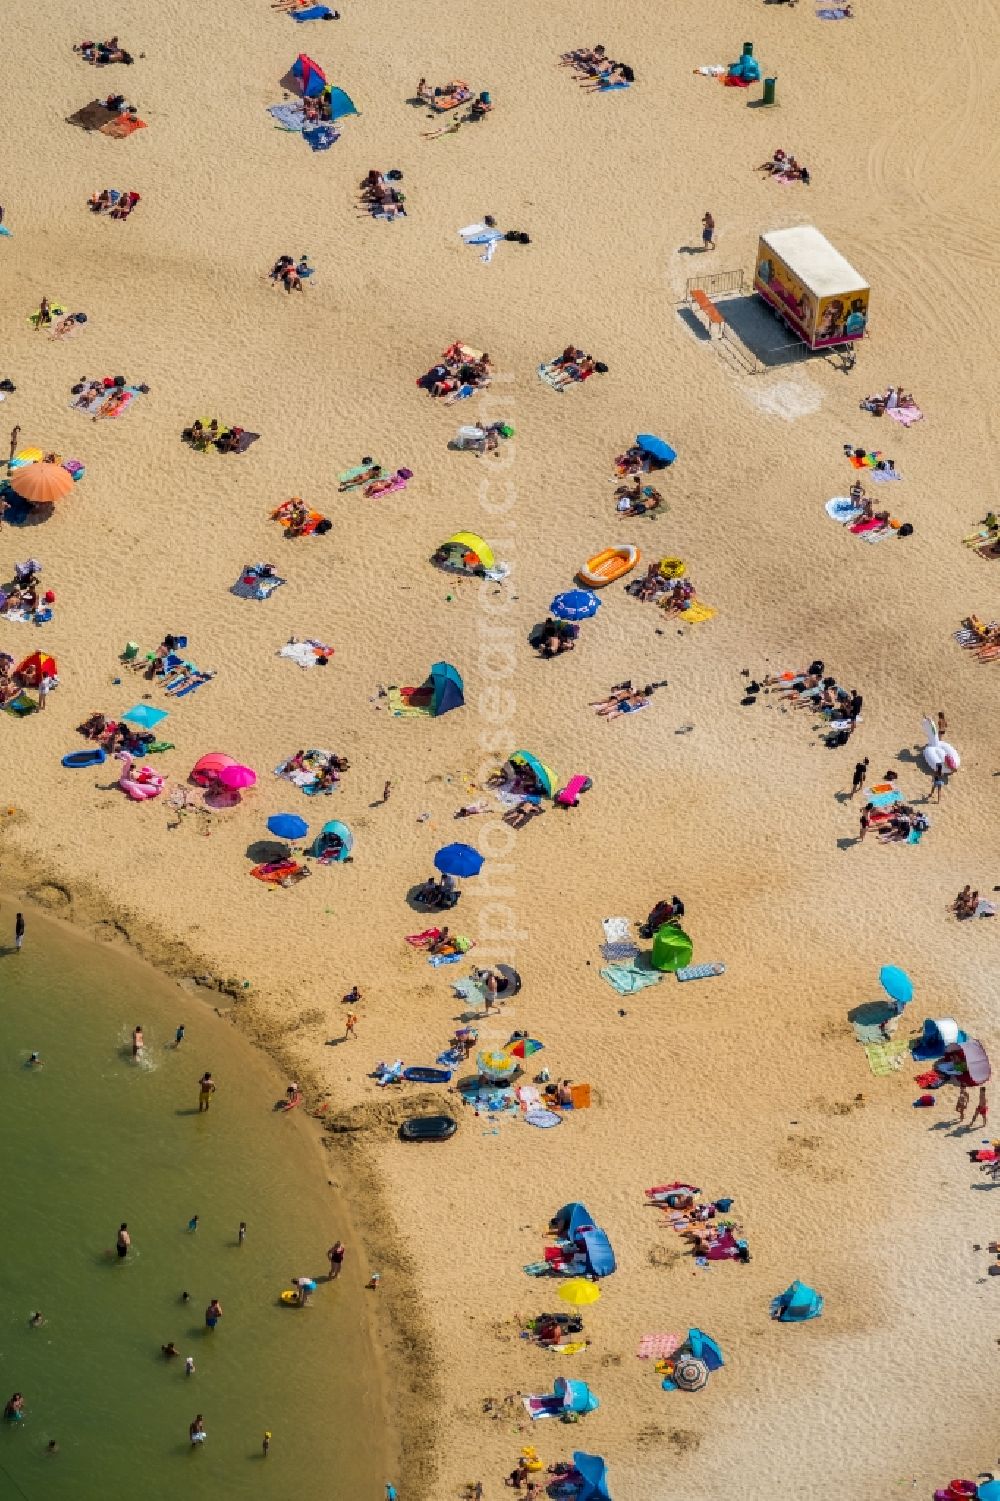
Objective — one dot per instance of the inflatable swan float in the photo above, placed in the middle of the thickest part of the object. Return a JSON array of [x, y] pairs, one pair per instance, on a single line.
[[146, 782], [938, 754]]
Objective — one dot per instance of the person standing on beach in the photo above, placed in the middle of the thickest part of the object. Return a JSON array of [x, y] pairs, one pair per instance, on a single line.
[[44, 685], [213, 1313], [335, 1256], [242, 1232], [708, 231], [942, 723], [179, 1036], [386, 792], [196, 1430], [856, 705], [981, 1111], [15, 434], [350, 1022], [860, 772], [265, 1447], [137, 1042], [18, 931], [866, 815], [206, 1089], [124, 1242], [937, 785], [962, 1104]]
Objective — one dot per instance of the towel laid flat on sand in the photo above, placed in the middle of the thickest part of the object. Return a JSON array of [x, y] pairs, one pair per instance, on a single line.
[[314, 13], [905, 416], [288, 116], [658, 1346], [885, 1057], [627, 981], [320, 137]]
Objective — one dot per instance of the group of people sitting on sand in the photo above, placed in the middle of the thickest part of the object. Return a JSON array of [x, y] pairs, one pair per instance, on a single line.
[[23, 595], [117, 104], [887, 401], [865, 507], [896, 824], [968, 904], [980, 636], [380, 195], [117, 204], [298, 520], [572, 365], [812, 689], [636, 460], [115, 736], [553, 637], [460, 371], [782, 164], [327, 775], [450, 96], [638, 499], [597, 69], [664, 581], [289, 273], [225, 439], [116, 395], [102, 53]]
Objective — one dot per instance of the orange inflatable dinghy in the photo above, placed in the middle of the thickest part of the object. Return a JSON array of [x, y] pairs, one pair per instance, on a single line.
[[613, 563]]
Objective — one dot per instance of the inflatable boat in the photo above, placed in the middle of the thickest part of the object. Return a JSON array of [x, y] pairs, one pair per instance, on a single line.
[[613, 563], [428, 1128], [96, 756], [419, 1075]]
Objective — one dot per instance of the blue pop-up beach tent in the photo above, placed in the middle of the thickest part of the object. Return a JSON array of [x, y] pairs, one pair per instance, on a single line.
[[575, 1396], [796, 1304], [341, 104], [571, 1219], [597, 1249], [594, 1474], [704, 1348], [447, 689]]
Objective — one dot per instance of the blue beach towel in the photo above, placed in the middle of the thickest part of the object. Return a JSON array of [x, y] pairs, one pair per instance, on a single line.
[[610, 88], [314, 13], [628, 981], [321, 137], [833, 14], [915, 836], [438, 959]]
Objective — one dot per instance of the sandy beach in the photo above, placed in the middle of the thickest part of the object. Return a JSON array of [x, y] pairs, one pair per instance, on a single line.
[[751, 1084]]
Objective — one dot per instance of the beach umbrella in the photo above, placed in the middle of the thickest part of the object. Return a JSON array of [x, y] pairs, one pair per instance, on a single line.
[[690, 1375], [575, 604], [579, 1292], [524, 1047], [237, 778], [655, 447], [896, 983], [145, 716], [206, 770], [499, 1067], [458, 860], [287, 826], [41, 483], [594, 1474]]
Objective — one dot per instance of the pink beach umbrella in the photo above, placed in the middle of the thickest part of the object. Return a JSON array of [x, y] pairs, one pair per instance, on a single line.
[[237, 778], [206, 771]]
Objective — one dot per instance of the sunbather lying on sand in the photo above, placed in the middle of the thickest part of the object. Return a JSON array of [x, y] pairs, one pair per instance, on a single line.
[[364, 476], [585, 59]]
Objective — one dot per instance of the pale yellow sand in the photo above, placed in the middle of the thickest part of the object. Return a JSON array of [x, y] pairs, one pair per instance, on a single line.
[[746, 1084]]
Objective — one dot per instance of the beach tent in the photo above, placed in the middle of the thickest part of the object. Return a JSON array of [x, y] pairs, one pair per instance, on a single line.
[[334, 840], [672, 948], [205, 771], [545, 778], [989, 1491], [575, 1396], [145, 716], [971, 1055], [310, 75], [937, 1037], [447, 688], [39, 665], [571, 1219], [796, 1304], [594, 1474], [704, 1348], [341, 104], [466, 550], [596, 1248]]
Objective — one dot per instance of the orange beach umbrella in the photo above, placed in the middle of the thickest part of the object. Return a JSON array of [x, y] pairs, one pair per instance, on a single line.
[[41, 483]]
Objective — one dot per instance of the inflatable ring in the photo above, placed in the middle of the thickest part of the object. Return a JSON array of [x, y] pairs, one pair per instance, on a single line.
[[672, 568], [96, 756]]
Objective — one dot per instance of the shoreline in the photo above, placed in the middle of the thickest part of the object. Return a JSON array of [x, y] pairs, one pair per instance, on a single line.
[[397, 1331]]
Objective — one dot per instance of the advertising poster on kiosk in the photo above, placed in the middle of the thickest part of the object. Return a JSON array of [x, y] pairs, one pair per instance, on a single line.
[[810, 284]]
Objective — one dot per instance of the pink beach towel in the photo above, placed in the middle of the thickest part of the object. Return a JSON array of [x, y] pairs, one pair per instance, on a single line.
[[658, 1346], [905, 416]]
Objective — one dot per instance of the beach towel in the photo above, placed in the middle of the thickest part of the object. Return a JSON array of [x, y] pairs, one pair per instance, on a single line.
[[5, 231], [573, 1348], [544, 1407], [695, 612], [320, 137], [438, 959], [699, 971], [627, 981], [611, 88], [481, 234], [351, 476], [314, 13], [55, 311], [543, 1119], [250, 585], [915, 835], [305, 653], [658, 1346], [905, 416], [400, 706], [122, 127], [883, 476], [419, 940], [841, 508], [833, 13], [885, 1057], [288, 116]]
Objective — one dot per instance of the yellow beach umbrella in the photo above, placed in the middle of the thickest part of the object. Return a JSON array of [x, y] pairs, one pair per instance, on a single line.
[[579, 1291]]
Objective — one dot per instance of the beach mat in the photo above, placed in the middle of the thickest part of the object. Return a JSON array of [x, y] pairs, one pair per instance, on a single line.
[[696, 612], [402, 709], [626, 981], [124, 125], [699, 971], [288, 116], [658, 1346], [885, 1058], [314, 13], [320, 137], [905, 416]]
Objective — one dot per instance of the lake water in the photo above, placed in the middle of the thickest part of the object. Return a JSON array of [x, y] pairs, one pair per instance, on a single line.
[[91, 1139]]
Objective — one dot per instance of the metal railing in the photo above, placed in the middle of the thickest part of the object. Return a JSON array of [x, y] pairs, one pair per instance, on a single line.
[[717, 283]]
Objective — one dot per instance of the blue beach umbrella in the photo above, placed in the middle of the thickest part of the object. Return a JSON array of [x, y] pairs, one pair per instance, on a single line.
[[287, 826], [896, 983], [458, 860], [655, 447], [575, 604]]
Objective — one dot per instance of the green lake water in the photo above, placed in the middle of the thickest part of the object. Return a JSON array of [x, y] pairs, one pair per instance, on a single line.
[[91, 1139]]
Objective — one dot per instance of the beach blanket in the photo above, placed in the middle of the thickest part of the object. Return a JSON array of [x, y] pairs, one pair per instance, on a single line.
[[543, 1119], [113, 401], [695, 612], [314, 13], [544, 1407], [352, 476], [305, 653], [833, 13], [250, 584], [841, 508], [658, 1346], [699, 971], [306, 777], [626, 980], [905, 416], [320, 137], [482, 234], [883, 476], [885, 1057], [288, 116], [401, 707], [56, 310]]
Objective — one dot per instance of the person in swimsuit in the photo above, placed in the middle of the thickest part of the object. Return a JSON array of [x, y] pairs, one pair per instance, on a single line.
[[137, 1042], [335, 1256], [124, 1242], [213, 1313], [206, 1089]]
